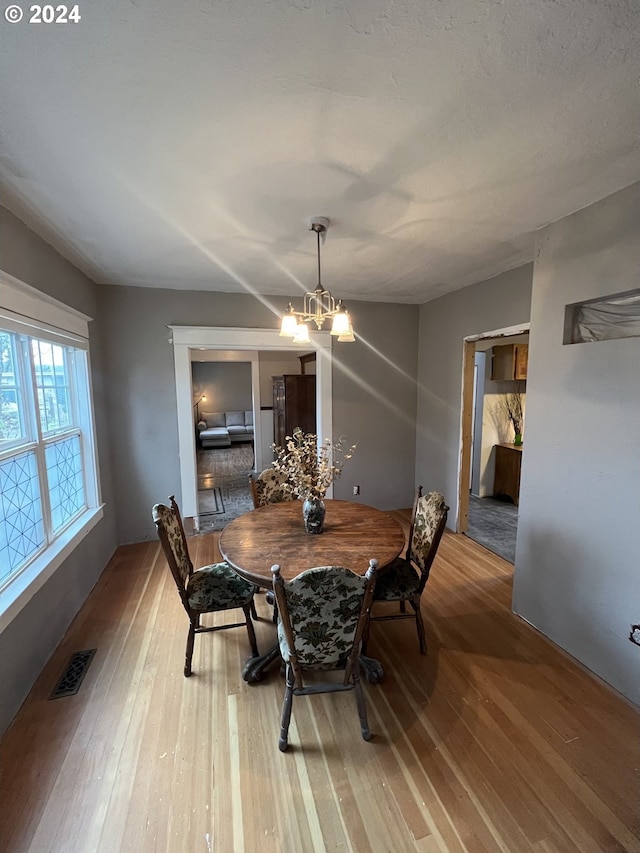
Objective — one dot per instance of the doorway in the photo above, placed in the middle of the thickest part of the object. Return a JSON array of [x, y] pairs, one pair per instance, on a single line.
[[485, 514], [187, 339], [222, 383]]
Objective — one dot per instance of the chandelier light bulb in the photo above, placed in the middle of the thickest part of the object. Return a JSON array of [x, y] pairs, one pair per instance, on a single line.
[[289, 323], [347, 338], [341, 322]]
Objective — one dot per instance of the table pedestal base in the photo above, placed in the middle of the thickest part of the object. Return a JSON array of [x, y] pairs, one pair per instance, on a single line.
[[254, 669], [371, 669]]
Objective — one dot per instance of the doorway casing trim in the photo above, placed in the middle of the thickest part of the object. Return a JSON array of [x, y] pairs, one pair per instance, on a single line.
[[466, 415], [188, 338]]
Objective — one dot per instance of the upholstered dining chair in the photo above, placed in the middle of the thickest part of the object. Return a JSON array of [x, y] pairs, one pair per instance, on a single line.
[[270, 487], [209, 589], [405, 579], [321, 619]]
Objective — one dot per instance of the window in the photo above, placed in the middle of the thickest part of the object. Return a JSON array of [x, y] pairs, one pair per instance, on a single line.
[[48, 472]]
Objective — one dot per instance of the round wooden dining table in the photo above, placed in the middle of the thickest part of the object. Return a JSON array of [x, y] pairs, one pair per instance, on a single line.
[[353, 534]]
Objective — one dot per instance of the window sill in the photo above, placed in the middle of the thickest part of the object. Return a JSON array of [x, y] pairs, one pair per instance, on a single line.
[[21, 590]]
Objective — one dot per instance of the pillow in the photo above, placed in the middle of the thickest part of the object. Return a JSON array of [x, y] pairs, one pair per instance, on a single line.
[[201, 425], [235, 418], [213, 419], [248, 418]]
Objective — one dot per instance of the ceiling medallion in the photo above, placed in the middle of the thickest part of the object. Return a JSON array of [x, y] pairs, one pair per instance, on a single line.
[[319, 305]]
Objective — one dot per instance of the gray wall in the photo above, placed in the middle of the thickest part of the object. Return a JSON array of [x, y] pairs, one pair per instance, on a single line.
[[498, 303], [374, 403], [374, 391], [275, 364], [576, 572], [578, 549], [227, 385], [27, 643]]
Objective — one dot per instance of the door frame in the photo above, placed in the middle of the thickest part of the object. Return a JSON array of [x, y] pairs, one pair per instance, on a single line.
[[185, 339], [466, 415]]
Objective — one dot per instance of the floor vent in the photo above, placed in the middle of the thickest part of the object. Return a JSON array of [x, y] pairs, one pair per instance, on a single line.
[[75, 671]]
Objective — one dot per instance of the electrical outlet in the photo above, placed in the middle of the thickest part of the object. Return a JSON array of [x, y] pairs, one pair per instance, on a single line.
[[356, 490]]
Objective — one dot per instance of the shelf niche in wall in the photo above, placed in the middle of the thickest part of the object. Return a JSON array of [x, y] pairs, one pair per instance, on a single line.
[[604, 319]]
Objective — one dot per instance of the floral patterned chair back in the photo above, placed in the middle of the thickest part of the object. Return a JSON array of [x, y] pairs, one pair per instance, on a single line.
[[417, 497], [403, 581], [321, 618], [174, 542], [208, 589], [270, 487], [428, 526]]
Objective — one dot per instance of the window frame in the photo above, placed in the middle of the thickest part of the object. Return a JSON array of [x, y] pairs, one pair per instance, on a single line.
[[30, 314]]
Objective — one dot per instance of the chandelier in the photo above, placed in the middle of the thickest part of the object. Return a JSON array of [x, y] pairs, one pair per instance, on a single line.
[[319, 305]]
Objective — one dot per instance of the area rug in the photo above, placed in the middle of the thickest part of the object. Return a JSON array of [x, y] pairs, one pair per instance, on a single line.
[[223, 485], [210, 501], [225, 461]]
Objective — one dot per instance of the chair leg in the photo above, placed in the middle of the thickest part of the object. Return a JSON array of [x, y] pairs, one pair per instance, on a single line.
[[254, 612], [362, 708], [286, 710], [420, 625], [189, 653], [274, 616], [364, 642], [271, 599], [250, 629], [403, 607]]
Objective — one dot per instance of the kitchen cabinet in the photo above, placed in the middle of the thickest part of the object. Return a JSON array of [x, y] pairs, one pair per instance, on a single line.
[[510, 362], [507, 471]]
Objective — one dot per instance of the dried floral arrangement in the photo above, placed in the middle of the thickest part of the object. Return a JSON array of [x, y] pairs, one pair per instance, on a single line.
[[309, 466], [512, 405]]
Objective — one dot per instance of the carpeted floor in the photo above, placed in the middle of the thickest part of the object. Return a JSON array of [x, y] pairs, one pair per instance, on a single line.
[[223, 485], [494, 524]]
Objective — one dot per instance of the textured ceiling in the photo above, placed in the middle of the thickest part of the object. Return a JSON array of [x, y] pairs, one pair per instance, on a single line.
[[184, 144]]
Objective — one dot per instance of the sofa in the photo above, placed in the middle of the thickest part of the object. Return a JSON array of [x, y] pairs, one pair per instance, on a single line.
[[222, 429]]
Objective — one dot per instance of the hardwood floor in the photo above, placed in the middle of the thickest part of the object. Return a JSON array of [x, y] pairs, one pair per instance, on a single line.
[[495, 741]]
